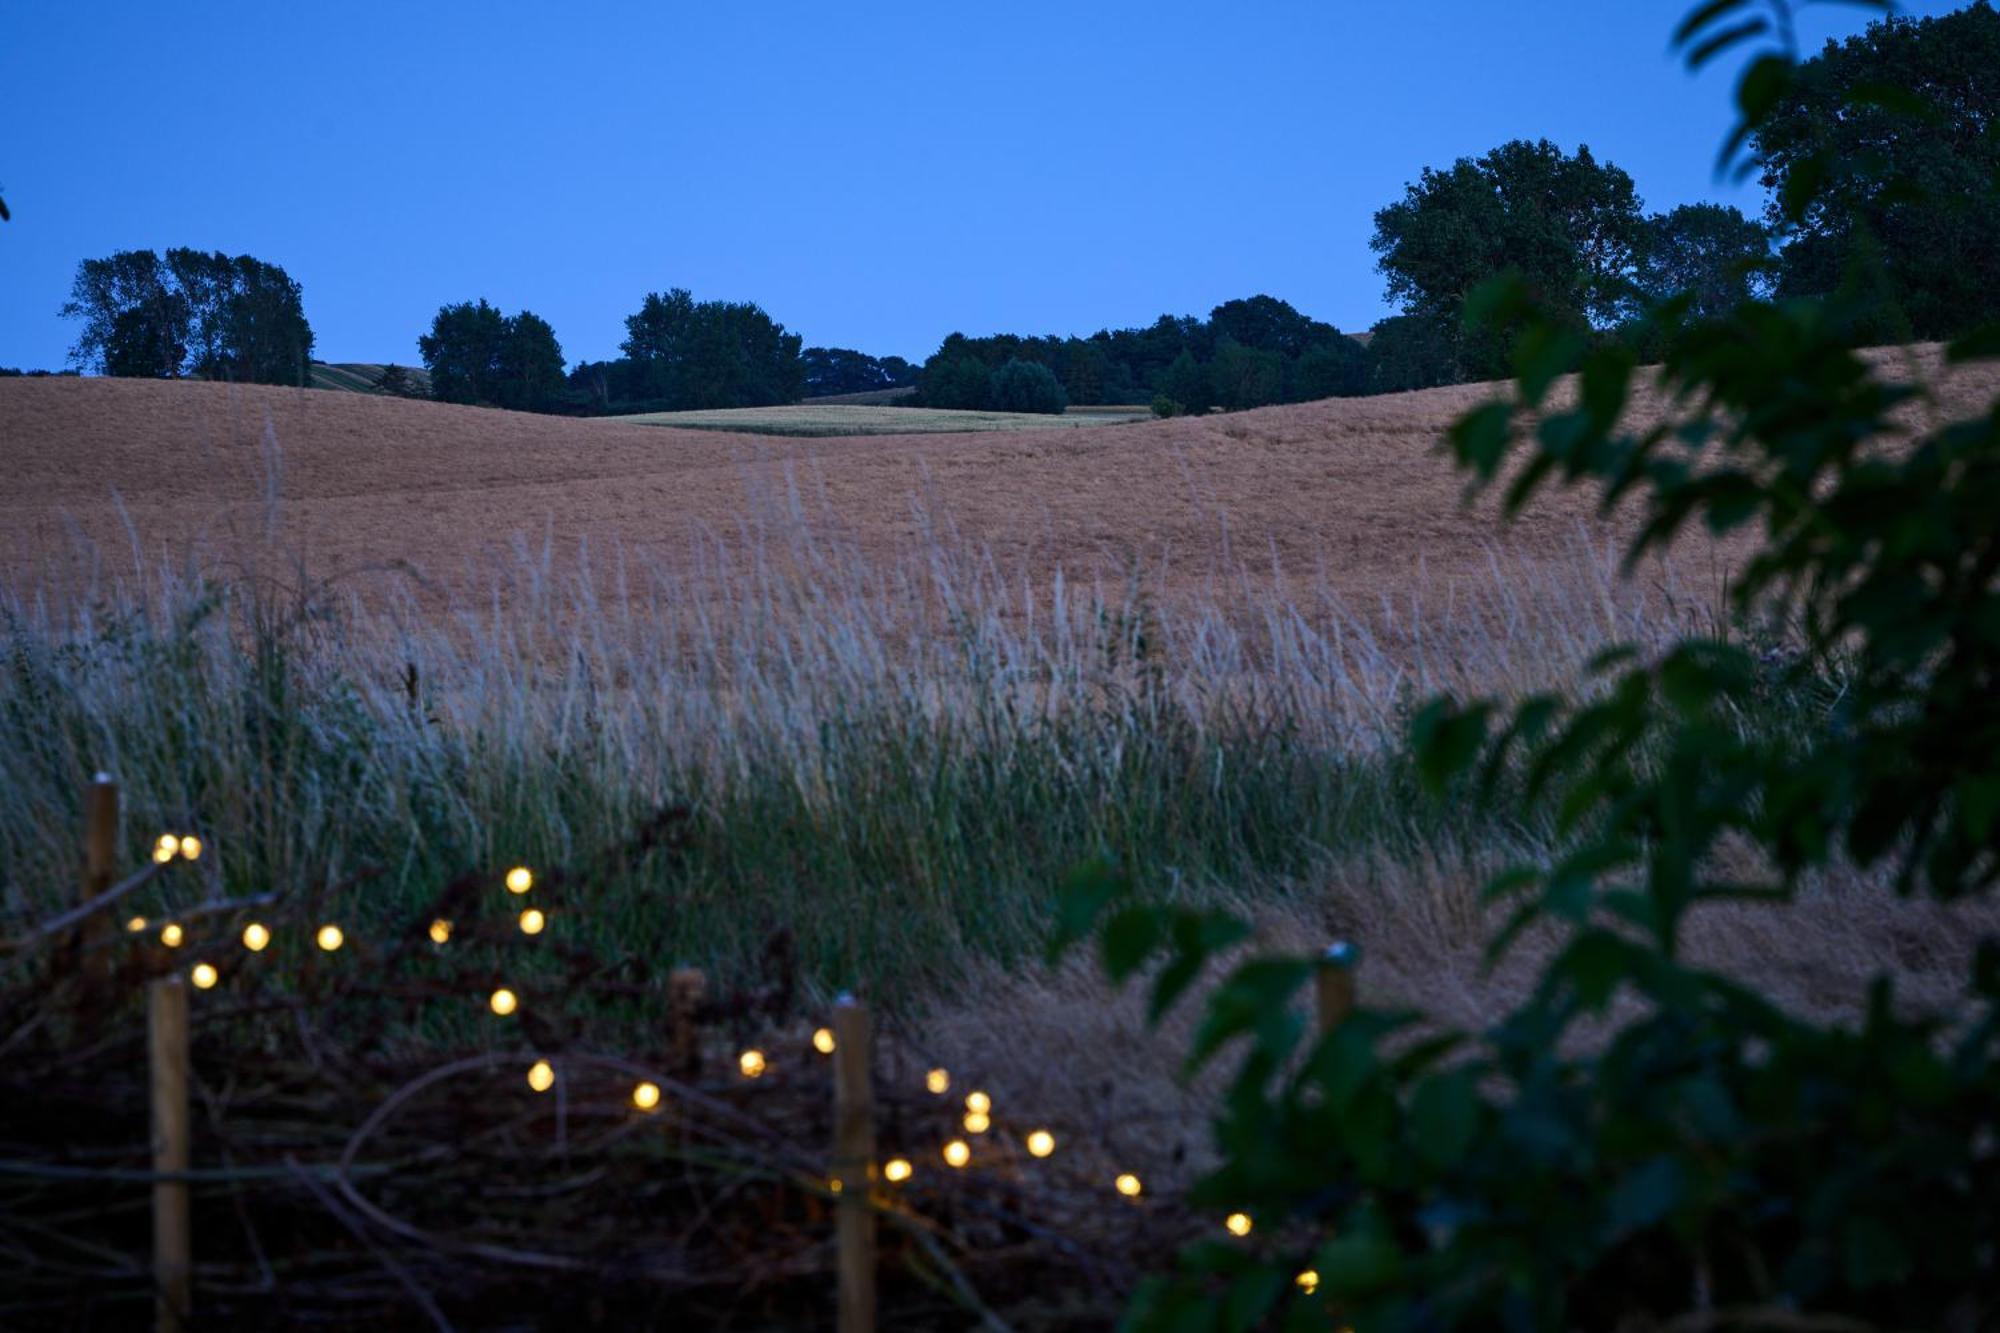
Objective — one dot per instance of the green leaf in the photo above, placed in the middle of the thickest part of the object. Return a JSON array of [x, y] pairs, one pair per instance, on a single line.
[[1481, 436], [1644, 1196], [1129, 940], [1447, 738], [1086, 891], [1444, 1117]]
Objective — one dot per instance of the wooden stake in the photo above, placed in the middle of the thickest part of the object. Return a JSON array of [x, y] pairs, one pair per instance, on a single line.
[[167, 1048], [854, 1164], [686, 987], [1335, 983], [100, 863]]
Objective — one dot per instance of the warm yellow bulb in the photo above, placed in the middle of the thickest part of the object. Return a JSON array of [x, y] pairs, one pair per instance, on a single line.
[[204, 976], [256, 937], [1308, 1281], [1239, 1224], [1041, 1143], [520, 879], [1128, 1185], [440, 931], [171, 935], [977, 1122], [938, 1081], [532, 921], [191, 847], [136, 924], [896, 1170], [167, 848], [541, 1076], [978, 1103], [956, 1153], [330, 937], [751, 1062], [823, 1041], [502, 1002], [646, 1096]]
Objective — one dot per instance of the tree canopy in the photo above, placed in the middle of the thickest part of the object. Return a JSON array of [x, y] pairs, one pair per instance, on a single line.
[[1889, 144], [1566, 224], [477, 355], [835, 370], [192, 314]]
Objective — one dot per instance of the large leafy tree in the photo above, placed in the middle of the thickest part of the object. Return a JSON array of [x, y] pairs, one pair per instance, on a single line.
[[1882, 154], [1709, 254], [1566, 224], [475, 354], [687, 354], [1027, 386], [195, 313]]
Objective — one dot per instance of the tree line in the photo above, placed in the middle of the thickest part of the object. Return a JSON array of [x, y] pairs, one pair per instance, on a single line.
[[1907, 113]]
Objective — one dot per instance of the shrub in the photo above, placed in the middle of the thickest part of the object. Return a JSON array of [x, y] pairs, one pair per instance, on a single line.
[[1164, 406]]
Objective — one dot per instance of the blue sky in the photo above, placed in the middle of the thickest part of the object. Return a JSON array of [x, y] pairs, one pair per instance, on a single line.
[[874, 175]]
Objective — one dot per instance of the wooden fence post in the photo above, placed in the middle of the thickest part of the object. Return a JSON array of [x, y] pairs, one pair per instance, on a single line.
[[1335, 983], [854, 1164], [100, 863], [167, 1050], [686, 988]]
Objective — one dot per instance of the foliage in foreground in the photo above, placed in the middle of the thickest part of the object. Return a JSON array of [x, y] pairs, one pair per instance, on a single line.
[[1641, 1143]]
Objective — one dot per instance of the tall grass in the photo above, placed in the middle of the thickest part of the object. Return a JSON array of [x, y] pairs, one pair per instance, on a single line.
[[894, 760]]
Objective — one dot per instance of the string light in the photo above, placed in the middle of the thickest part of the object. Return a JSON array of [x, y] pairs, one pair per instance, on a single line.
[[330, 937], [957, 1154], [646, 1096], [1041, 1143], [502, 1002], [1308, 1281], [823, 1041], [1239, 1224], [166, 848], [532, 921], [191, 847], [978, 1103], [204, 976], [541, 1076], [171, 935], [897, 1170], [440, 931], [520, 879], [977, 1122], [751, 1062], [136, 924], [938, 1081], [255, 937], [1128, 1185]]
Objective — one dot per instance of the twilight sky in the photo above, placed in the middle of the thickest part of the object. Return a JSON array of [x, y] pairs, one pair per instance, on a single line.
[[874, 175]]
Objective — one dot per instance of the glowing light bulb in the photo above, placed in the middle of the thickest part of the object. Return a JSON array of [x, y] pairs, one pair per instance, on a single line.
[[977, 1122], [751, 1062], [823, 1041], [646, 1096], [956, 1153], [256, 937], [440, 931], [978, 1103], [897, 1170], [191, 847], [541, 1076], [532, 921], [520, 879], [204, 976], [166, 849], [171, 935], [938, 1081], [1308, 1281], [1239, 1224], [1041, 1143], [1128, 1185], [502, 1002], [136, 924], [330, 937], [833, 1184]]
